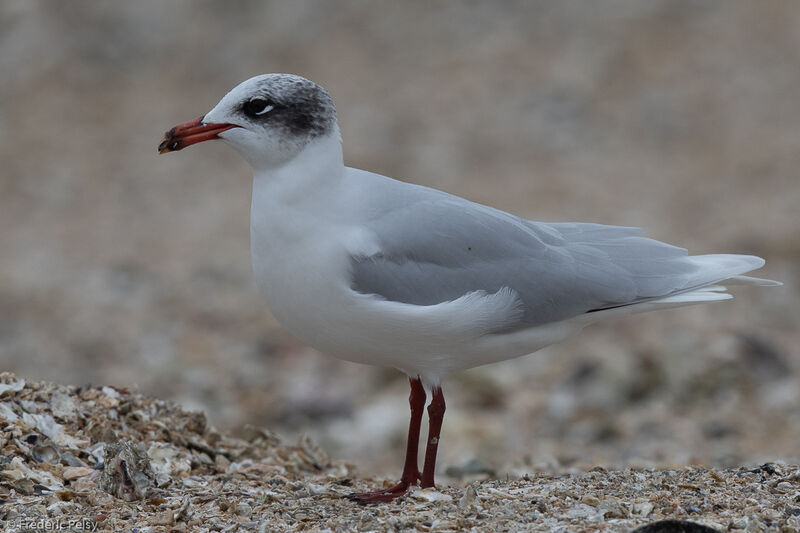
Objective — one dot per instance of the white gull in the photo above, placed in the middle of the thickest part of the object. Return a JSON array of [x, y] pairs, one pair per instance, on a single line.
[[374, 270]]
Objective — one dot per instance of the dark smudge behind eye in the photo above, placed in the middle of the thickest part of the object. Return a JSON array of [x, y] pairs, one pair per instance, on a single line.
[[301, 107]]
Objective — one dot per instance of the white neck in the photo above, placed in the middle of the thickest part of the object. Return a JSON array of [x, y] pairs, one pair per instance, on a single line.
[[293, 207], [291, 200], [317, 167]]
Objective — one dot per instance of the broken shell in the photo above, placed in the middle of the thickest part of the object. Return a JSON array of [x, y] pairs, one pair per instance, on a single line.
[[430, 495], [63, 406], [74, 472], [167, 462], [470, 494], [46, 453], [126, 472], [7, 412], [12, 386]]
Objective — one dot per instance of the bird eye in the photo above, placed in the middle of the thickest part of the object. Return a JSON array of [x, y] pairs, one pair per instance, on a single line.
[[257, 107]]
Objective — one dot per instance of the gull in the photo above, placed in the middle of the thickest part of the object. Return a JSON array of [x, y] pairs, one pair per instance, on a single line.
[[378, 271]]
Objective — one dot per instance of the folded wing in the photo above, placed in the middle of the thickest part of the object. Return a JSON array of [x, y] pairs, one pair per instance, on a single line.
[[441, 248]]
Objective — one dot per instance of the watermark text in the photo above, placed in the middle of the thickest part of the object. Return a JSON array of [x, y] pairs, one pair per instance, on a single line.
[[51, 524]]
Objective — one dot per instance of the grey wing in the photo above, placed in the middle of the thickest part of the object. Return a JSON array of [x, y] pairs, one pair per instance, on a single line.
[[440, 249]]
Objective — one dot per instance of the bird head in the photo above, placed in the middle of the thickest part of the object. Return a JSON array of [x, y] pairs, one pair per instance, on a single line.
[[268, 119]]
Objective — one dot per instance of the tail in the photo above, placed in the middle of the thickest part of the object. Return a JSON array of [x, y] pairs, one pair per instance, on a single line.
[[709, 284]]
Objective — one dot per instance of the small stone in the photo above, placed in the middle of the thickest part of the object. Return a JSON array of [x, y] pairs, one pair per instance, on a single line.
[[314, 488], [583, 512], [242, 509], [63, 406], [110, 392], [590, 499], [108, 401], [613, 508], [270, 496], [163, 518], [60, 508], [222, 463], [643, 508], [69, 459], [255, 434], [739, 523], [716, 476]]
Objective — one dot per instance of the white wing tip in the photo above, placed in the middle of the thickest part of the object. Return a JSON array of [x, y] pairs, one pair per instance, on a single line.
[[750, 280]]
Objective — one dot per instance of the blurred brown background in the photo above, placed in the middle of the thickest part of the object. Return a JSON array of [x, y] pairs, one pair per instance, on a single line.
[[119, 266]]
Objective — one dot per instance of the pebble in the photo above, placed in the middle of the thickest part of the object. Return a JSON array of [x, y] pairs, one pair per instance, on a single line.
[[643, 508], [243, 509]]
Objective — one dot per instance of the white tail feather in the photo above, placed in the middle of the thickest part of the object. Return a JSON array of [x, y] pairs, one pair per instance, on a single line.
[[749, 280]]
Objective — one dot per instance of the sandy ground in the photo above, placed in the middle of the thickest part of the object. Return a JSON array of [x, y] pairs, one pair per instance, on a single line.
[[121, 267]]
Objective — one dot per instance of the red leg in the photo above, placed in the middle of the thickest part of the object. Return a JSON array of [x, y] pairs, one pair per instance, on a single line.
[[435, 416], [410, 471]]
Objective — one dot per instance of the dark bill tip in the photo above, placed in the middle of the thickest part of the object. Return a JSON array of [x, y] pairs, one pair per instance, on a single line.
[[190, 133]]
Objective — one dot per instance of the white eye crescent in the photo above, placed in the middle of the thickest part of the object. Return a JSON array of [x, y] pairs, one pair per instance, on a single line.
[[266, 109]]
